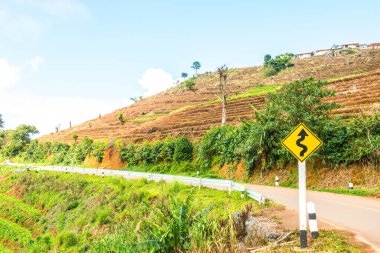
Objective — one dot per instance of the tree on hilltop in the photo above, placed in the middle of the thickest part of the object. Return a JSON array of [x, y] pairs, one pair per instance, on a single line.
[[267, 59], [18, 139], [272, 66], [75, 138], [196, 65], [184, 75]]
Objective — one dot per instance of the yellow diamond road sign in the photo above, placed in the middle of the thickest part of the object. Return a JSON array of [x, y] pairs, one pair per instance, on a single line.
[[302, 142]]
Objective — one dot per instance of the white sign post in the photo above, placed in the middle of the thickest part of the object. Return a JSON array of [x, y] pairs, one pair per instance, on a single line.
[[302, 203]]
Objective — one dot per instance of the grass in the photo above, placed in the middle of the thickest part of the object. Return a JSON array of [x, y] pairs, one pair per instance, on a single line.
[[19, 205], [183, 169], [79, 211], [327, 242], [85, 213], [148, 117], [330, 241], [259, 90], [13, 232], [373, 192], [3, 249]]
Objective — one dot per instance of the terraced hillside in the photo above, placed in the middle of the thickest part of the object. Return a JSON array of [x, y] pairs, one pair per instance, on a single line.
[[355, 77], [18, 222]]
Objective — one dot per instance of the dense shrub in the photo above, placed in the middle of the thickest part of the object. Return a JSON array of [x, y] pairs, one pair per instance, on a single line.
[[67, 239], [15, 141], [128, 154], [167, 151], [183, 150], [219, 142], [353, 140], [272, 66], [256, 143], [61, 153], [189, 84]]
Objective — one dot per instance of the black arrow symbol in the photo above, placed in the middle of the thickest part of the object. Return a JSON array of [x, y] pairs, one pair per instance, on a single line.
[[302, 136]]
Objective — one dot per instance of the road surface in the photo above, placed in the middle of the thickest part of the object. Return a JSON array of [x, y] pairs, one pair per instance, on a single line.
[[356, 214]]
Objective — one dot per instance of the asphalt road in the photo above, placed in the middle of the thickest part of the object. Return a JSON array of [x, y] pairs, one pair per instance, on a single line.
[[356, 214]]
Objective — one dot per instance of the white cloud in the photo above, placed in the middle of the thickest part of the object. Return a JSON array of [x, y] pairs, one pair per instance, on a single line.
[[36, 62], [48, 112], [9, 74], [156, 80]]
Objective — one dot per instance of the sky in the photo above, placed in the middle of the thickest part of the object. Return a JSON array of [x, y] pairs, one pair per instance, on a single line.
[[71, 60]]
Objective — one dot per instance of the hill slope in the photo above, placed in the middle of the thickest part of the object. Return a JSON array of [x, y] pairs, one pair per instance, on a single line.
[[355, 77]]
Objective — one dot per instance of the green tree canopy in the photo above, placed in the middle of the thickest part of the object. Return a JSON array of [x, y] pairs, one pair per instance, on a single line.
[[275, 65], [17, 140], [297, 102], [196, 65], [267, 59], [184, 75]]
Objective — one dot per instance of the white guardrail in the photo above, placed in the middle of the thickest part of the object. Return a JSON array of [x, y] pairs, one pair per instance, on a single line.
[[219, 184]]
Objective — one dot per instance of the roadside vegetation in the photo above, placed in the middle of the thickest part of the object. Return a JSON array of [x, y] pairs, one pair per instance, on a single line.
[[81, 213], [256, 144], [57, 212], [372, 192]]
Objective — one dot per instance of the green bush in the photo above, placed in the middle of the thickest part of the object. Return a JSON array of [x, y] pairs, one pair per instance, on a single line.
[[272, 66], [103, 216], [167, 151], [67, 239], [13, 142], [129, 154], [189, 84], [183, 149], [170, 230], [258, 143]]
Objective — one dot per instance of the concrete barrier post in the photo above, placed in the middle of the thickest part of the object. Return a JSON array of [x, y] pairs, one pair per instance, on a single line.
[[242, 192], [312, 220], [102, 174], [277, 182]]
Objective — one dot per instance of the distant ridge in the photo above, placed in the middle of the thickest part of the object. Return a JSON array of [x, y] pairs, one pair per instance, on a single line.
[[355, 77]]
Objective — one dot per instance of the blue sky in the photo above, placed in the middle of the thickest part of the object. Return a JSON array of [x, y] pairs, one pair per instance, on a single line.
[[69, 60]]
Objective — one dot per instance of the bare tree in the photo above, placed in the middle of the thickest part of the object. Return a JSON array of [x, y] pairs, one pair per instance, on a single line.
[[223, 72]]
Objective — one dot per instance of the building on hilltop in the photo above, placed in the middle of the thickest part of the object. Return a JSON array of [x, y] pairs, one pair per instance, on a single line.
[[337, 47], [304, 55], [321, 52], [374, 45], [351, 45]]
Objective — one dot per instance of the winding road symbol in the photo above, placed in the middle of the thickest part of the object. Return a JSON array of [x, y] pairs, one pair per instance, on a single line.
[[301, 142], [302, 136]]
